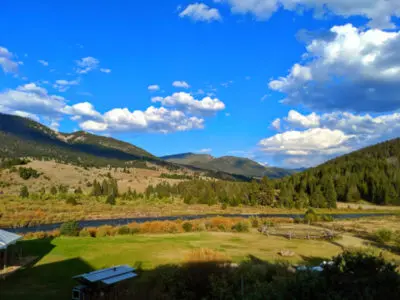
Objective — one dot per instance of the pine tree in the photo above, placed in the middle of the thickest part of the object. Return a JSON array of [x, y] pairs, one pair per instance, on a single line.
[[330, 193], [24, 193]]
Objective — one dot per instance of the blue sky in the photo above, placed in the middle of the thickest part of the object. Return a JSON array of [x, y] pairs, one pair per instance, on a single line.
[[78, 65]]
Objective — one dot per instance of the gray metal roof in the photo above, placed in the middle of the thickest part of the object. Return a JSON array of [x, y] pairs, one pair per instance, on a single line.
[[8, 238], [107, 276]]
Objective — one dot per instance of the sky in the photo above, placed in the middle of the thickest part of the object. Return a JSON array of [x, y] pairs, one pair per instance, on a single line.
[[289, 83]]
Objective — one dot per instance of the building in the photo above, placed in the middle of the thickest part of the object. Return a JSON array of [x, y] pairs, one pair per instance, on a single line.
[[7, 255]]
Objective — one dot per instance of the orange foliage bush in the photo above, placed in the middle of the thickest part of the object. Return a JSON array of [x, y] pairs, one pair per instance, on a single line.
[[205, 254]]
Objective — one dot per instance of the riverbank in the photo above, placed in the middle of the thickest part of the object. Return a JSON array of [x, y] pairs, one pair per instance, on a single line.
[[22, 213]]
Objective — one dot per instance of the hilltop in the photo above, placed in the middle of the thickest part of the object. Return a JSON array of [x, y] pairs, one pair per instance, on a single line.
[[228, 164]]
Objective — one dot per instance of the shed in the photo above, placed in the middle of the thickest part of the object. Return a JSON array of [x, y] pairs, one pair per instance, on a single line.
[[97, 284], [6, 240]]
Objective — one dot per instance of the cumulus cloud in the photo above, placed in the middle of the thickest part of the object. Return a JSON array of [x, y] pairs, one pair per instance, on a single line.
[[7, 62], [355, 70], [152, 119], [31, 100], [181, 84], [299, 148], [63, 85], [315, 140], [153, 87], [43, 62], [188, 103], [87, 64], [298, 120], [200, 12], [205, 150], [105, 70], [379, 12]]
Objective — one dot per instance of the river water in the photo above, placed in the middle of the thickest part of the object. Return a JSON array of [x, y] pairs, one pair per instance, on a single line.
[[124, 221]]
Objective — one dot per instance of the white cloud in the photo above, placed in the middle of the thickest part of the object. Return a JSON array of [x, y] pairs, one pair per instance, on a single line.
[[379, 12], [351, 70], [186, 102], [298, 120], [104, 70], [315, 143], [7, 62], [181, 84], [83, 110], [87, 64], [227, 84], [32, 99], [304, 147], [153, 119], [43, 62], [200, 12], [153, 87], [205, 150], [63, 85], [276, 124]]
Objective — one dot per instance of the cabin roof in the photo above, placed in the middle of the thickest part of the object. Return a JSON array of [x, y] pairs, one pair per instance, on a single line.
[[107, 276], [8, 238]]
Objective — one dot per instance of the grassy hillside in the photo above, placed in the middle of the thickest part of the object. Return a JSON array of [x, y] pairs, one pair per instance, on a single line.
[[371, 174], [22, 137], [229, 164]]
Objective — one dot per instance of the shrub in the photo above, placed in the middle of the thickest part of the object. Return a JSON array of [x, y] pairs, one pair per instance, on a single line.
[[26, 173], [70, 228], [310, 216], [53, 190], [221, 227], [326, 218], [187, 226], [134, 228], [384, 235], [255, 222], [24, 193], [105, 230], [241, 226], [224, 206], [84, 233], [201, 227], [111, 199], [71, 199], [205, 255], [123, 230]]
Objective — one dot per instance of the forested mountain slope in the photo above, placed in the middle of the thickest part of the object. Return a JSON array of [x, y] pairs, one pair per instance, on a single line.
[[371, 174], [228, 164], [22, 137]]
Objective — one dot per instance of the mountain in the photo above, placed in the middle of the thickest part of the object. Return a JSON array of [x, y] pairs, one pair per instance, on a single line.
[[228, 164], [371, 174], [22, 137]]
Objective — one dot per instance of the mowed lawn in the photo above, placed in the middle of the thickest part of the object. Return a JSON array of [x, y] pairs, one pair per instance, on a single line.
[[62, 258]]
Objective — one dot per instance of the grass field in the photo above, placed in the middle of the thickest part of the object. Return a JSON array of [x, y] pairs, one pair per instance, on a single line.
[[62, 258]]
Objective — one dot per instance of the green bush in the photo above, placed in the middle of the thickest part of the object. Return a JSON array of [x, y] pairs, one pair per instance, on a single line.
[[123, 230], [71, 199], [26, 173], [111, 199], [326, 218], [221, 227], [187, 226], [242, 226], [24, 193], [384, 235], [84, 233], [201, 227], [70, 228], [310, 216]]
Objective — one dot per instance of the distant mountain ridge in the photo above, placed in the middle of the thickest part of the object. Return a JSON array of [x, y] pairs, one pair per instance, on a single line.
[[22, 137], [229, 164]]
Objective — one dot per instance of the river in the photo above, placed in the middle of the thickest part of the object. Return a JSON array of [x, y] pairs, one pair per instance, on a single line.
[[124, 221]]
